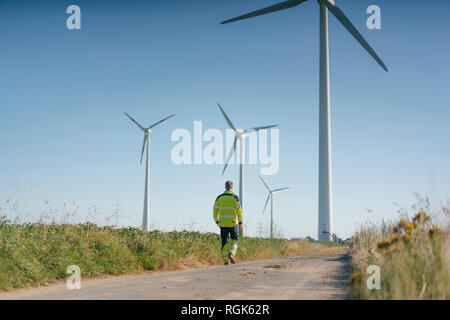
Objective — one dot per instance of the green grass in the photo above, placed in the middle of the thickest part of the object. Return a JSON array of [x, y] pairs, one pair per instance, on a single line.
[[37, 253]]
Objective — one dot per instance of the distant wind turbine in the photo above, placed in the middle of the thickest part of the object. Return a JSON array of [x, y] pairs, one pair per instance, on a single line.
[[325, 228], [270, 196], [239, 134], [147, 131]]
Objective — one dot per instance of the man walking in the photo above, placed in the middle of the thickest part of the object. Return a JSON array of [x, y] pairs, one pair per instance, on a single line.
[[228, 215]]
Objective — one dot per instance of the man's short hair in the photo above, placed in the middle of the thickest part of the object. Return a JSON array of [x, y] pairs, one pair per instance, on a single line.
[[228, 185]]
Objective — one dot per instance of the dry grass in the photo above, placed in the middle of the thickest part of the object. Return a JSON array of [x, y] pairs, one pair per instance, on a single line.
[[330, 251], [413, 254]]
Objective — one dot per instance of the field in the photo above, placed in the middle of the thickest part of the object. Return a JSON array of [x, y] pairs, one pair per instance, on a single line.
[[37, 253], [413, 255]]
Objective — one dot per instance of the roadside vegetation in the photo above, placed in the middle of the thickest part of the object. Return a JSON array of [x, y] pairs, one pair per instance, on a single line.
[[413, 255], [38, 253]]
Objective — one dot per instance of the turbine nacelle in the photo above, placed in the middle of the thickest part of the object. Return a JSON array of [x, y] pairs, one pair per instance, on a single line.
[[147, 131], [270, 197], [239, 134], [340, 16], [325, 199], [271, 192], [330, 1]]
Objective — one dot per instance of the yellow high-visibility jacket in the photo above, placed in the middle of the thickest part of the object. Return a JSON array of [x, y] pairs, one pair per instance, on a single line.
[[227, 210]]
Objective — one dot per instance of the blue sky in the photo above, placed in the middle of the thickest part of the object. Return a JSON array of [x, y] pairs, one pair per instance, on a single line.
[[63, 93]]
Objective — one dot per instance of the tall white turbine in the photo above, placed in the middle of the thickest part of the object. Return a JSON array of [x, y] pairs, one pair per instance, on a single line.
[[270, 196], [325, 225], [147, 131], [239, 134]]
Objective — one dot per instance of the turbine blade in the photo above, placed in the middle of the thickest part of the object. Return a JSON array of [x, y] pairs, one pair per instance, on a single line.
[[259, 128], [137, 123], [351, 28], [233, 149], [276, 190], [143, 146], [155, 124], [226, 118], [264, 183], [276, 7], [267, 201]]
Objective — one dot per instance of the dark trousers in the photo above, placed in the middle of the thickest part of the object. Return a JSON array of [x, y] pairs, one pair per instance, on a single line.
[[233, 232]]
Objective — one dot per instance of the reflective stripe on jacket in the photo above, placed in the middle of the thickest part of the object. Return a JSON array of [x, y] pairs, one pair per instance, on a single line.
[[227, 210]]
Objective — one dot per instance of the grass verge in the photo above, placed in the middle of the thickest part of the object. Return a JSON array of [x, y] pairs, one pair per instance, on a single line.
[[37, 253], [413, 255]]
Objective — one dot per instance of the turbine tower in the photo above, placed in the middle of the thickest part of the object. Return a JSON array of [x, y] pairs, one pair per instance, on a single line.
[[270, 196], [325, 225], [239, 134], [147, 131]]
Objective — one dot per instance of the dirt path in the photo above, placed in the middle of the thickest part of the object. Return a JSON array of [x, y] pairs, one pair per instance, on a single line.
[[320, 275]]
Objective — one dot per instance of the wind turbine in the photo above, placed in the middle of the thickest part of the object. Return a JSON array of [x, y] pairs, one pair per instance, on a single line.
[[147, 131], [239, 134], [270, 196], [325, 227]]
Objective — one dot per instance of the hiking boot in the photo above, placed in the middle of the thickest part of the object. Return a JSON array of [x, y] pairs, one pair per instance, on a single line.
[[232, 259]]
